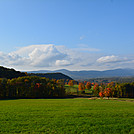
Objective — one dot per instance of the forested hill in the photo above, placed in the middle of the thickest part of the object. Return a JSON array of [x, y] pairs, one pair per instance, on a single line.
[[10, 73], [52, 75]]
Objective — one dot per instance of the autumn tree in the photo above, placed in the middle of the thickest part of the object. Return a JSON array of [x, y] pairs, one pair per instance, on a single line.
[[101, 94], [96, 89], [88, 85], [81, 87], [108, 92], [70, 83]]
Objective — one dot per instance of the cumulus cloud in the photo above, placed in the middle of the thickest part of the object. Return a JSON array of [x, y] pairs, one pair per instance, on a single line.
[[62, 62], [11, 59], [107, 59], [113, 62], [42, 55], [52, 57], [114, 59], [48, 56]]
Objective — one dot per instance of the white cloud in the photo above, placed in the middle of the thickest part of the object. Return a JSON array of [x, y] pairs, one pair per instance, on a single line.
[[113, 62], [62, 62], [41, 55], [11, 59], [107, 59], [82, 37], [115, 59], [52, 57], [48, 56]]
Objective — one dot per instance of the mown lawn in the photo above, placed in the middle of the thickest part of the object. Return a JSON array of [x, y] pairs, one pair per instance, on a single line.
[[66, 116]]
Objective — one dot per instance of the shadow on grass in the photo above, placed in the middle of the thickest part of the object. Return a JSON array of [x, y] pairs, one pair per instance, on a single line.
[[66, 97]]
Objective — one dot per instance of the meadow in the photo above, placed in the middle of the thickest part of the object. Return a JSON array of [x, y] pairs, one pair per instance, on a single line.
[[66, 116], [74, 91]]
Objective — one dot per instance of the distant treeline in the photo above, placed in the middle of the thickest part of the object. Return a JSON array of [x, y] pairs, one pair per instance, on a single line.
[[112, 79], [31, 87], [114, 90]]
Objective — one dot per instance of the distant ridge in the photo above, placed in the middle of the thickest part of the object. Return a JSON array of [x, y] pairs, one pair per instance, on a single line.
[[66, 74], [92, 74]]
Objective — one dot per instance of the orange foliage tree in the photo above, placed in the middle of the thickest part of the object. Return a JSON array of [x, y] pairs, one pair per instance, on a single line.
[[81, 87], [70, 83], [88, 85], [108, 92], [96, 89], [101, 94]]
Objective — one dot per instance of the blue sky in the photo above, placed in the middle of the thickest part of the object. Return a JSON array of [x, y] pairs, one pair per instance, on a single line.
[[102, 30]]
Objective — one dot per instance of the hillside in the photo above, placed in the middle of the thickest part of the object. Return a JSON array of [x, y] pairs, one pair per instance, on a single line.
[[10, 73], [52, 75]]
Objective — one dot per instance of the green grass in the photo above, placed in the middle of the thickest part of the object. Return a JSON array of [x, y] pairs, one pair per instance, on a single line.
[[75, 86], [73, 91], [66, 116]]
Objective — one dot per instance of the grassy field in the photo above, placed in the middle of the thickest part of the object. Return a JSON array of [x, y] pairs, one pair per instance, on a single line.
[[74, 90], [66, 116]]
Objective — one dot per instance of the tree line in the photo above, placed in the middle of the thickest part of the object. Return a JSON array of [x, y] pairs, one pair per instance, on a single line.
[[41, 87], [115, 90], [31, 87], [111, 89]]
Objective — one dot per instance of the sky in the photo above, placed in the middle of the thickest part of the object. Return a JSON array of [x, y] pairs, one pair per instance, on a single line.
[[66, 34]]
